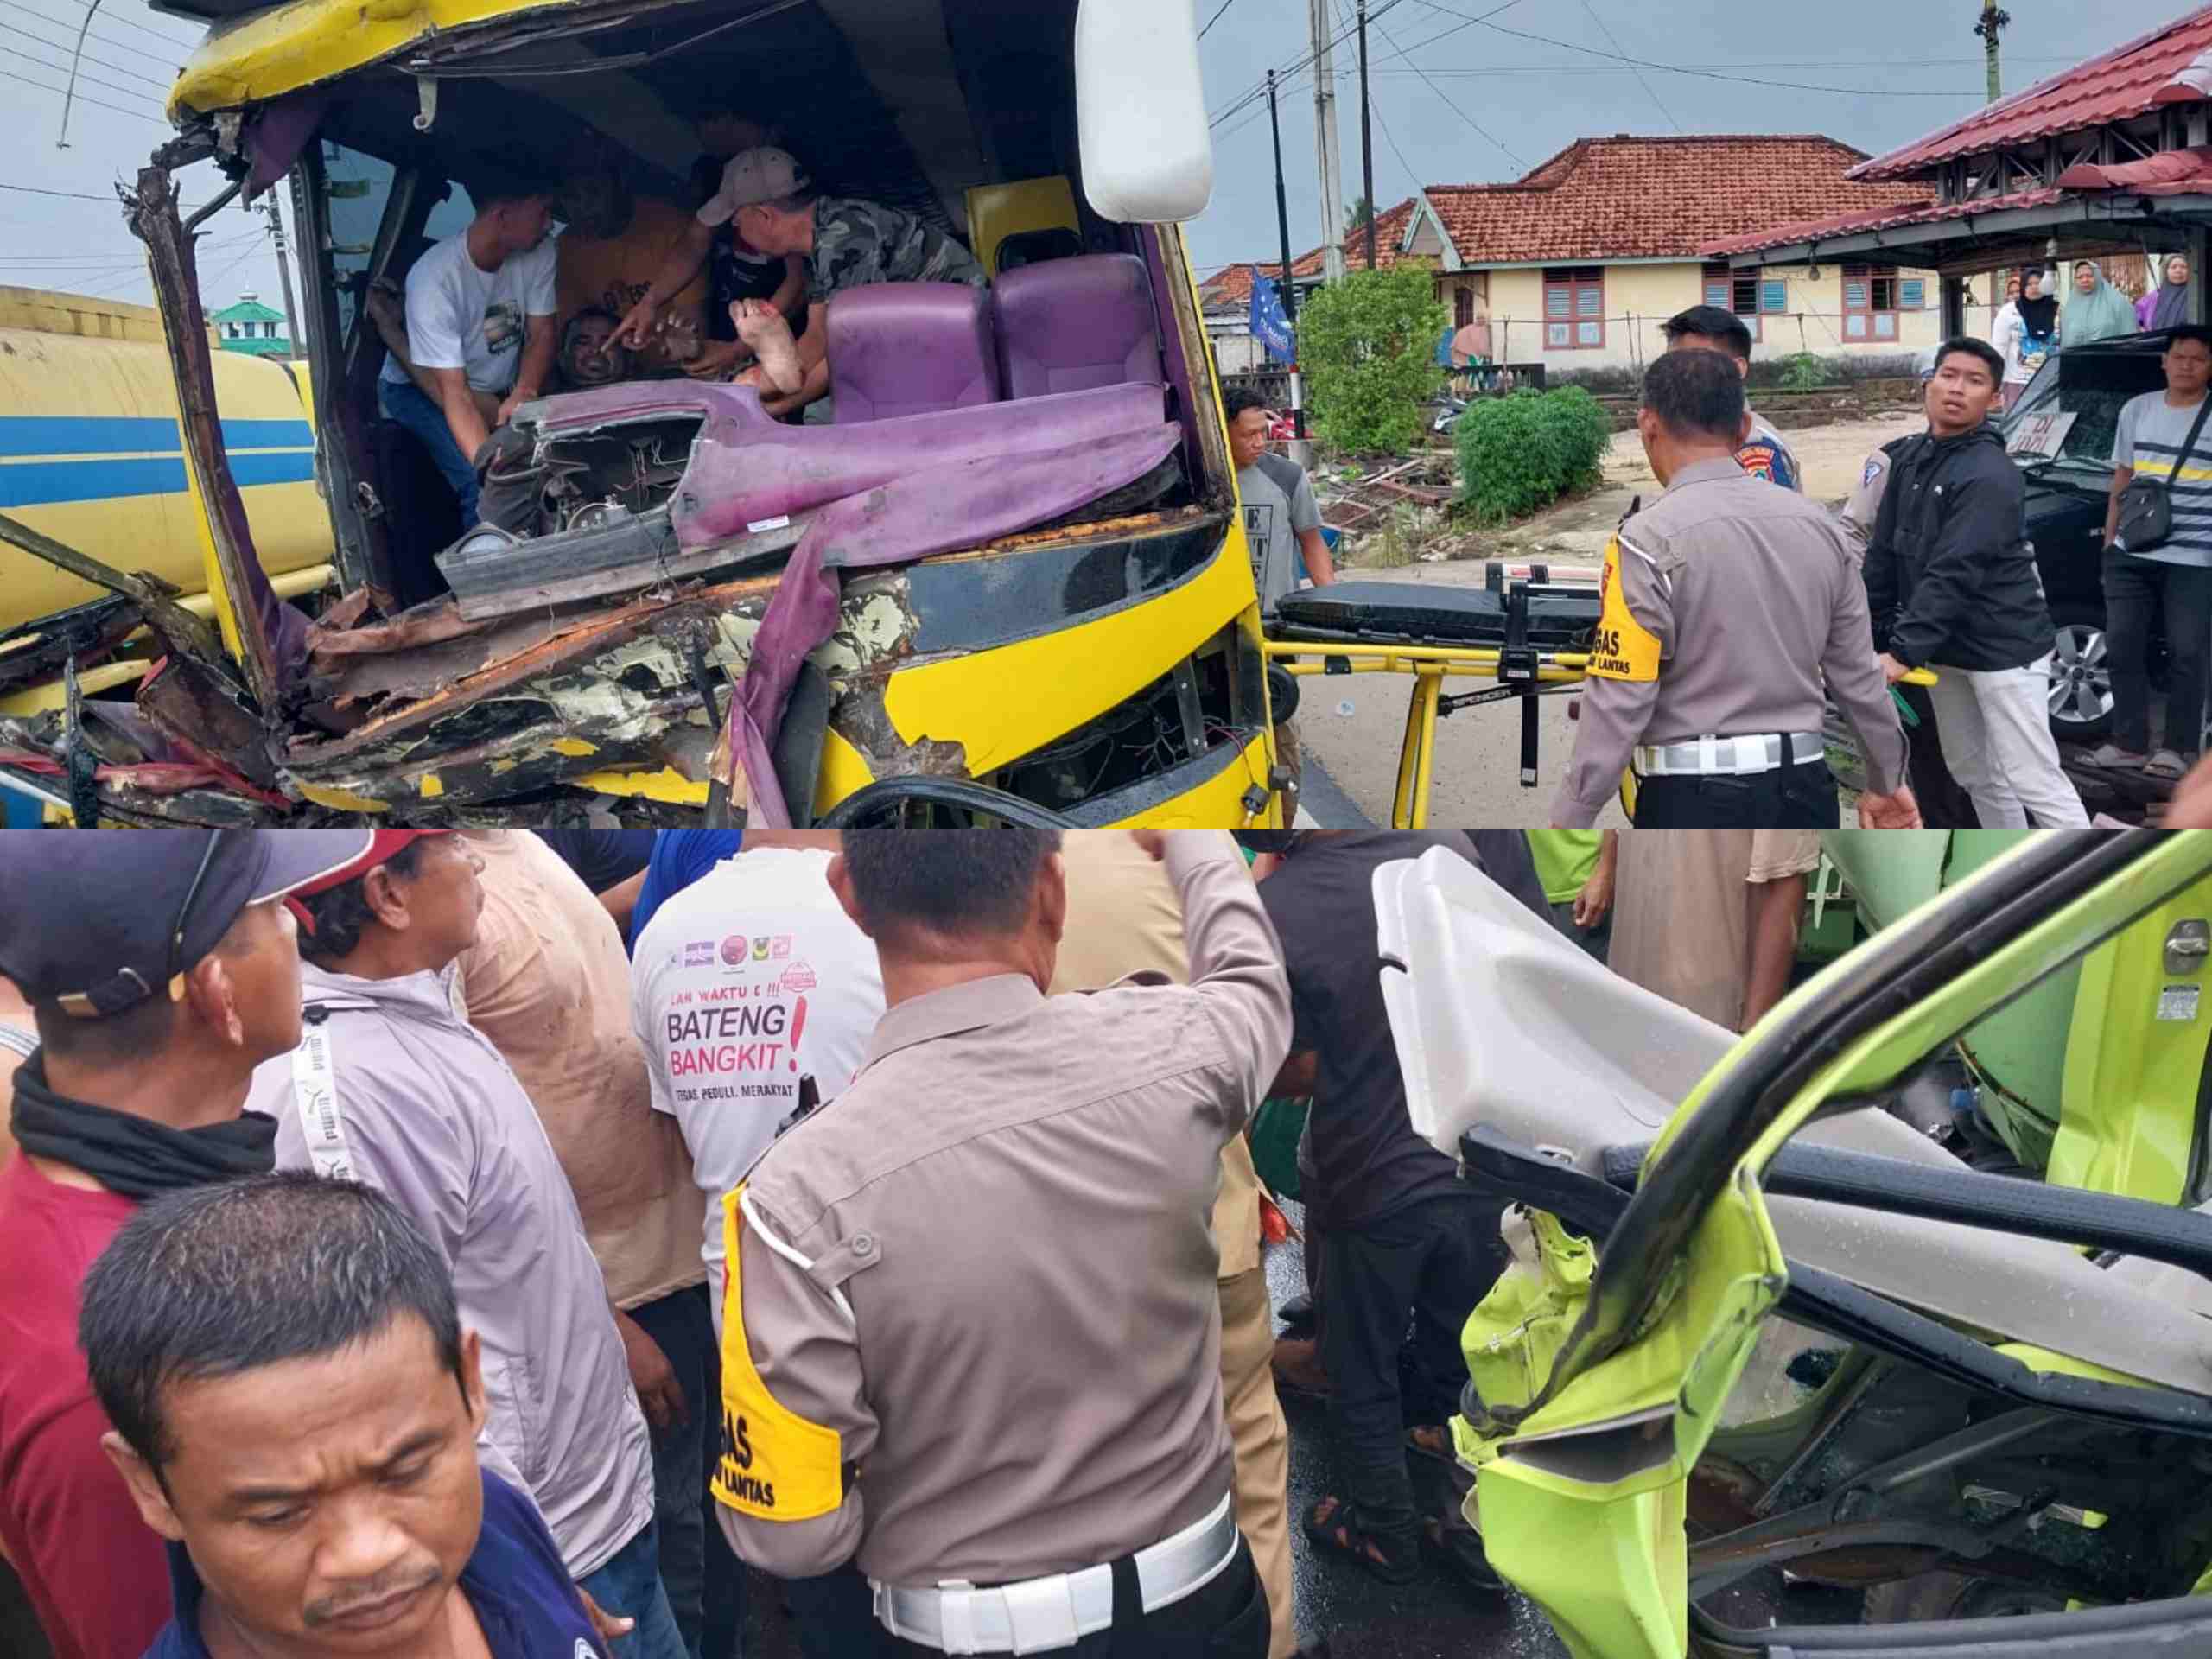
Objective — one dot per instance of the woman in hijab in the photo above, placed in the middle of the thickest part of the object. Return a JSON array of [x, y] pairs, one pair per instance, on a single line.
[[2098, 310], [2026, 332], [2170, 300]]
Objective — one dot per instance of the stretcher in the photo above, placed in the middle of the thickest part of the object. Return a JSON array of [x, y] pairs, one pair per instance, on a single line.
[[1528, 628], [1526, 633]]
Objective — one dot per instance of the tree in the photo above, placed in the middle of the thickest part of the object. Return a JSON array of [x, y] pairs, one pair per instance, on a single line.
[[1358, 211], [1368, 348]]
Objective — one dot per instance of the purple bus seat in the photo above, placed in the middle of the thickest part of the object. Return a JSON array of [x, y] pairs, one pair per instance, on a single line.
[[1069, 325], [910, 348]]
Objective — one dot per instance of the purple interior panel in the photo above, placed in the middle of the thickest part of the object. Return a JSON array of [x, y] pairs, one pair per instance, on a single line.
[[935, 510], [747, 468]]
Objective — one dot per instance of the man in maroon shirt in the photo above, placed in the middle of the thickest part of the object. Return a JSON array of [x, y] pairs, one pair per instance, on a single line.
[[160, 970]]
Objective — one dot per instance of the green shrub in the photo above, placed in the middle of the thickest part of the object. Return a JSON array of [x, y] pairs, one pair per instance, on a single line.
[[1366, 346], [1803, 373], [1523, 452]]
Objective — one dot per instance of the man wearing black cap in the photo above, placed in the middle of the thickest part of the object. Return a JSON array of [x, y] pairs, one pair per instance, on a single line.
[[160, 972]]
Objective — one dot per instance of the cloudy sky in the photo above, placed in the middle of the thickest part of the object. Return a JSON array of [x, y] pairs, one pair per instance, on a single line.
[[1493, 103]]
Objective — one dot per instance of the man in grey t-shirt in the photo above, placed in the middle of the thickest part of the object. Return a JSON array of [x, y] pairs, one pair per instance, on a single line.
[[1281, 517], [1282, 520], [2175, 576]]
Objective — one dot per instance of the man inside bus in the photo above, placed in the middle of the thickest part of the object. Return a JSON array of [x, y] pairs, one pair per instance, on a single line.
[[480, 312], [616, 241], [769, 203]]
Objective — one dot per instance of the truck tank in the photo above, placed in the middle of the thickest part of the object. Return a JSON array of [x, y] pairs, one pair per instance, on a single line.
[[92, 456]]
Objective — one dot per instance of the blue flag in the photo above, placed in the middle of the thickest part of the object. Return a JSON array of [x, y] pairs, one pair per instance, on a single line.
[[1269, 325]]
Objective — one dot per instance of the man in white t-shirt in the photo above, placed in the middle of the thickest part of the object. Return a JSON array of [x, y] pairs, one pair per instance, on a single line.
[[480, 308], [749, 988]]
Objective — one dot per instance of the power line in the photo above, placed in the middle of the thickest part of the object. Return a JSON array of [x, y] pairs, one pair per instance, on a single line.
[[124, 23], [1494, 139], [1649, 92], [73, 195], [1210, 22], [6, 74], [105, 40], [1258, 89], [63, 45], [1681, 69], [113, 87]]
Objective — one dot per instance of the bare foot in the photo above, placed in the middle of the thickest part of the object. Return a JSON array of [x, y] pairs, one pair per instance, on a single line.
[[760, 326]]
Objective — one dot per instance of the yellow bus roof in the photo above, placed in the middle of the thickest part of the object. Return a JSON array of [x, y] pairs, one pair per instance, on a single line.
[[265, 54]]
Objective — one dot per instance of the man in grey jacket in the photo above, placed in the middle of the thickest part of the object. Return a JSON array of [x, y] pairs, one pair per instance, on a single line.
[[394, 1087]]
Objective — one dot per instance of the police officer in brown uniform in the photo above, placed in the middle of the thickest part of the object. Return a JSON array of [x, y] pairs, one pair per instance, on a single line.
[[1729, 608], [971, 1335]]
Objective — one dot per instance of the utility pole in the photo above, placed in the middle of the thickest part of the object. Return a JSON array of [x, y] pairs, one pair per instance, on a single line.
[[284, 276], [1325, 140], [1993, 19], [1289, 284], [1366, 139]]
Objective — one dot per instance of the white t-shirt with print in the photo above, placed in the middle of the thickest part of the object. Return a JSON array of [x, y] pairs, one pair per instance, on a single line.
[[746, 981], [461, 317]]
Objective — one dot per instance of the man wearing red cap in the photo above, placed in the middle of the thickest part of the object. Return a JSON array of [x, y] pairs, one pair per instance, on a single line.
[[393, 1087], [158, 973]]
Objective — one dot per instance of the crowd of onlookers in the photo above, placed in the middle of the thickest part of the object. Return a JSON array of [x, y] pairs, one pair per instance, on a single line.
[[556, 1079]]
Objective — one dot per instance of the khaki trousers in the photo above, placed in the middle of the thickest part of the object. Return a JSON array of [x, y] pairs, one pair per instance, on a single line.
[[1262, 1442]]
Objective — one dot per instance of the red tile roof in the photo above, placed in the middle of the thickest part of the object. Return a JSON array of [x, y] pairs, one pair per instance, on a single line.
[[2165, 174], [1232, 284], [1922, 210], [1669, 198], [2131, 80]]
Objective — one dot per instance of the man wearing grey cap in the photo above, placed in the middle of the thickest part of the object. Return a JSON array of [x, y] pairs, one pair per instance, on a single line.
[[160, 970], [769, 204]]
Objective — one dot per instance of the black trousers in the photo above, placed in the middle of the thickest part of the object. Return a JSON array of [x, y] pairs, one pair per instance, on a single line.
[[1801, 797], [1225, 1619], [2136, 591], [1425, 1266]]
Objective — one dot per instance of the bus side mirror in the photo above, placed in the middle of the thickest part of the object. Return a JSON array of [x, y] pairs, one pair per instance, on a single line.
[[1140, 110]]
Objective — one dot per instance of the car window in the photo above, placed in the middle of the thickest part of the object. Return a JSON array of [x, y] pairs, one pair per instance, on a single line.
[[2093, 387]]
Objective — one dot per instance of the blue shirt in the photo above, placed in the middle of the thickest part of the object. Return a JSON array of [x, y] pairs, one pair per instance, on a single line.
[[680, 857], [523, 1596]]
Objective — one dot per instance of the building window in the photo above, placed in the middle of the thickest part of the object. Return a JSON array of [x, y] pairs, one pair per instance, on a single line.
[[1463, 308], [1870, 304], [1737, 291], [1574, 307]]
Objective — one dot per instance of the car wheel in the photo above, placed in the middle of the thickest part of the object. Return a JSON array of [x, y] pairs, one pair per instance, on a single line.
[[1954, 1595], [2080, 681]]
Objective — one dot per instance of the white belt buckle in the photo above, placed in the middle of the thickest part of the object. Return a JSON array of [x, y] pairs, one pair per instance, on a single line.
[[1040, 1614], [1751, 755], [955, 1613]]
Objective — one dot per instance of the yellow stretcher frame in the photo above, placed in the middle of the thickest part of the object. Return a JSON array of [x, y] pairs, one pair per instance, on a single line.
[[1430, 666]]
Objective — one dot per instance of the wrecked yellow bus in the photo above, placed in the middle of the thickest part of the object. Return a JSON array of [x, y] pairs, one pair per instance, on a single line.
[[1006, 583]]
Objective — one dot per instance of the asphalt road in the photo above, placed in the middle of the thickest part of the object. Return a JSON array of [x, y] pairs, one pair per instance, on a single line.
[[1434, 1618]]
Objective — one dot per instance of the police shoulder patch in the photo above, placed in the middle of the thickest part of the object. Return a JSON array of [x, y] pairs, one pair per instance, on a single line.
[[1873, 470], [775, 1464], [1622, 648]]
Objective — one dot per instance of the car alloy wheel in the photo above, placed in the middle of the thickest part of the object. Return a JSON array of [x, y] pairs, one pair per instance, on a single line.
[[2081, 678]]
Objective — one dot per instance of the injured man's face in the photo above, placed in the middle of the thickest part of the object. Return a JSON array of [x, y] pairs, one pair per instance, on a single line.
[[590, 354]]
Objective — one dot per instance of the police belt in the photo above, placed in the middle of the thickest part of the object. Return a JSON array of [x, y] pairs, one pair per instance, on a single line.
[[1707, 757], [1039, 1615]]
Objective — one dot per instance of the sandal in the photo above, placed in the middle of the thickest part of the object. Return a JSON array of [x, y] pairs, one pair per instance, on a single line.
[[2164, 764], [1432, 1441], [1331, 1525], [1460, 1551], [2110, 757]]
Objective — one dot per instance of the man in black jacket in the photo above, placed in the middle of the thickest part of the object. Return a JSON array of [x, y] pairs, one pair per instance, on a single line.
[[1952, 584]]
